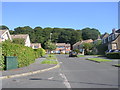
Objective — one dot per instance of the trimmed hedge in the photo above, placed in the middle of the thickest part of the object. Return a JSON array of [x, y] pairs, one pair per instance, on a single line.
[[26, 55], [113, 55]]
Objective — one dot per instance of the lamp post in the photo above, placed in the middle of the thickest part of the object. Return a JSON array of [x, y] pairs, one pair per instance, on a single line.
[[50, 36]]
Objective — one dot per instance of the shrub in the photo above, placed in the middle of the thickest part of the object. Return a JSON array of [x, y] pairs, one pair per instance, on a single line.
[[113, 55], [25, 54], [39, 52], [19, 41]]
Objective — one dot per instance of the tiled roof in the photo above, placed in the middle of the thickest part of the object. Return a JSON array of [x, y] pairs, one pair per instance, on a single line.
[[24, 36], [67, 45], [62, 44], [87, 41]]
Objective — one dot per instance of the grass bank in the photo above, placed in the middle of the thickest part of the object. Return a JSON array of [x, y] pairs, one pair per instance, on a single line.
[[99, 60]]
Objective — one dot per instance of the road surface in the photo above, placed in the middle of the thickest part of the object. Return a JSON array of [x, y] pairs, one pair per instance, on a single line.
[[74, 72]]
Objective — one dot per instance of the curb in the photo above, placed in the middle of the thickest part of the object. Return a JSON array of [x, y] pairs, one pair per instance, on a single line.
[[30, 73]]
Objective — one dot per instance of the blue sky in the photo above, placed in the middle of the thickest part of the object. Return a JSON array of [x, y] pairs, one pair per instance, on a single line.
[[77, 15]]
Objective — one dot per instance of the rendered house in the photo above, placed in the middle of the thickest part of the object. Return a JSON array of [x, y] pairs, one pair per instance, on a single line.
[[78, 45], [36, 45], [62, 48], [25, 37], [113, 40], [5, 35]]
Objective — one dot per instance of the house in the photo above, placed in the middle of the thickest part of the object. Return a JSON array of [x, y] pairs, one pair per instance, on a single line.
[[24, 36], [112, 40], [5, 35], [78, 45], [36, 45], [62, 48]]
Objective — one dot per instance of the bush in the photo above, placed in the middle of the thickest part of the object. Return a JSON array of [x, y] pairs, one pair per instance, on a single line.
[[19, 41], [113, 55], [25, 54], [39, 52]]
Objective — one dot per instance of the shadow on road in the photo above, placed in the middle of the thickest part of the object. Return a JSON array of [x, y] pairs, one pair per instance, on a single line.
[[74, 82]]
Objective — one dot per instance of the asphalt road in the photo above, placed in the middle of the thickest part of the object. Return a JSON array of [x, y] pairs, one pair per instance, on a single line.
[[73, 73]]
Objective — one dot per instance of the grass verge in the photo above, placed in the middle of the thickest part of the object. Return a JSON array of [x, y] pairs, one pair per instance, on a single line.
[[117, 65], [98, 60], [50, 59], [49, 62], [80, 56]]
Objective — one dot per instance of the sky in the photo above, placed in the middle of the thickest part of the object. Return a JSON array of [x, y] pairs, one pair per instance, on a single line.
[[77, 15]]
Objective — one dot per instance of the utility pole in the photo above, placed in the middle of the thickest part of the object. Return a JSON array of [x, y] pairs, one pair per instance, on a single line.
[[50, 36]]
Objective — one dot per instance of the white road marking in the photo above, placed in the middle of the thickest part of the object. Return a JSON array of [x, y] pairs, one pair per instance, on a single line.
[[60, 62], [66, 83], [50, 78]]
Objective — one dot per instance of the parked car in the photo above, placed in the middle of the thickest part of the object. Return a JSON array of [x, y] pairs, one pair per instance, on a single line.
[[73, 54], [112, 50]]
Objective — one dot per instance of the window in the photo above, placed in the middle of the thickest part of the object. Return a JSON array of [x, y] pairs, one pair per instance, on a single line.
[[60, 47], [35, 46]]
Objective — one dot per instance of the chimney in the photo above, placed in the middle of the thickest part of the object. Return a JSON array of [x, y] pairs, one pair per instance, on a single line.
[[113, 30]]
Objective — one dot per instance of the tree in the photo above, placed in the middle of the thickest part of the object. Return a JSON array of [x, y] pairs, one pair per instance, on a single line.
[[3, 27], [50, 46], [88, 33], [87, 47]]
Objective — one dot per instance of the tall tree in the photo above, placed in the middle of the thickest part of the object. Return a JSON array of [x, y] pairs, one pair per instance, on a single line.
[[88, 33], [50, 46]]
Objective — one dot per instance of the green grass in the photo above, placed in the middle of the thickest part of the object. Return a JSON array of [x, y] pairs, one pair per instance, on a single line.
[[98, 60], [80, 56], [49, 62], [50, 59], [117, 65]]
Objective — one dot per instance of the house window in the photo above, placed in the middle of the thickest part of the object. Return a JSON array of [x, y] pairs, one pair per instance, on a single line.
[[113, 36], [35, 46], [60, 47]]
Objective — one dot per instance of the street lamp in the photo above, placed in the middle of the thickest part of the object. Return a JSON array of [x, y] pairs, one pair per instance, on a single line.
[[50, 36]]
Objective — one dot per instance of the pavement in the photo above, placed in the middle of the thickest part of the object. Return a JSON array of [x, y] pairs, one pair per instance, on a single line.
[[34, 68]]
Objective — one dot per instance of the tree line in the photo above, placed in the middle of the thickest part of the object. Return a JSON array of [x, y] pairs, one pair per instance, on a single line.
[[59, 35]]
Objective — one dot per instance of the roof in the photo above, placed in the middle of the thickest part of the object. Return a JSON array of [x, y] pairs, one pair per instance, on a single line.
[[62, 44], [104, 35], [114, 39], [24, 36], [85, 41], [118, 31], [2, 32]]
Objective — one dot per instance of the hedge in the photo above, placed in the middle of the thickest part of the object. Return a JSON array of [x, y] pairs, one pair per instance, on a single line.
[[113, 55], [26, 55]]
